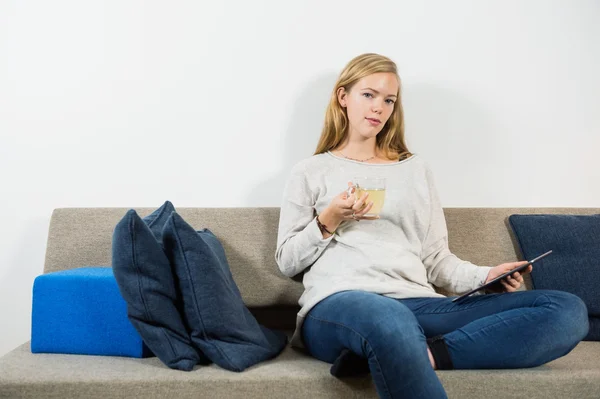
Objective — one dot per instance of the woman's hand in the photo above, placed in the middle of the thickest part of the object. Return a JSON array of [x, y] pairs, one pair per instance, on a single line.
[[343, 207], [359, 208], [508, 283]]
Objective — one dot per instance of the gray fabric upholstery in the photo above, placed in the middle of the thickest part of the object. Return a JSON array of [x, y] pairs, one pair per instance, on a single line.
[[291, 375], [82, 237]]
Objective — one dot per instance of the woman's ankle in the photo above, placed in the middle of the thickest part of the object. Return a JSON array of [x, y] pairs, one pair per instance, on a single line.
[[431, 359]]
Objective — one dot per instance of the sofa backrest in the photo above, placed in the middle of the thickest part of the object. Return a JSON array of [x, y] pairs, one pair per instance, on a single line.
[[82, 237]]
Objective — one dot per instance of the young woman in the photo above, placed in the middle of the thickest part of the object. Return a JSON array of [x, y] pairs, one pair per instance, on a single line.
[[369, 298]]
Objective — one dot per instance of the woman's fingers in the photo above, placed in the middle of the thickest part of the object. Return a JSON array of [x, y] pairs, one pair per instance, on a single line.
[[349, 202], [519, 263], [517, 276], [529, 269], [355, 209], [358, 206], [365, 210], [348, 213], [512, 284], [508, 287]]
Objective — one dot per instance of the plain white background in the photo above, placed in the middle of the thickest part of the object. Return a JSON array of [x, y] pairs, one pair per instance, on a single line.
[[208, 104]]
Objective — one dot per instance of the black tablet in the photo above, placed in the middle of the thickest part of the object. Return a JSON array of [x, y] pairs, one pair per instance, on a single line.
[[497, 279]]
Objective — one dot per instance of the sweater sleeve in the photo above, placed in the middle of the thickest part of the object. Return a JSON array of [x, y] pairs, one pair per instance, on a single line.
[[445, 269], [299, 239]]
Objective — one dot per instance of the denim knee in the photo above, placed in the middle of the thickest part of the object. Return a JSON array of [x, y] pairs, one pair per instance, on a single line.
[[402, 332], [572, 315]]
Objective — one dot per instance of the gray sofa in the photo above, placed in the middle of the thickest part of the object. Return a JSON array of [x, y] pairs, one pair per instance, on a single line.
[[82, 237]]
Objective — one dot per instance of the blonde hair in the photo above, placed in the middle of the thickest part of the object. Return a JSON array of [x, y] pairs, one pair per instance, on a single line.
[[390, 140]]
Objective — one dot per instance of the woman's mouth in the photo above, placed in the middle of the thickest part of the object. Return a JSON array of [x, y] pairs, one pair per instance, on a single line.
[[373, 121]]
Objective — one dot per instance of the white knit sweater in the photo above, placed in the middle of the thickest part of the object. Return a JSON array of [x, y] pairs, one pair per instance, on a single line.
[[399, 255]]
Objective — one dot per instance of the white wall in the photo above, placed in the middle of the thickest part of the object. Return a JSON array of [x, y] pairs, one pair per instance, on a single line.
[[130, 103]]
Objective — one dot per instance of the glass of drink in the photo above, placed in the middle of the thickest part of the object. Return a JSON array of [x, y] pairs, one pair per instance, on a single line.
[[375, 186]]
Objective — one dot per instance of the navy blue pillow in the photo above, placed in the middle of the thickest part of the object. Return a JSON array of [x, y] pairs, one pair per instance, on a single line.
[[573, 266], [145, 281], [157, 219], [221, 325]]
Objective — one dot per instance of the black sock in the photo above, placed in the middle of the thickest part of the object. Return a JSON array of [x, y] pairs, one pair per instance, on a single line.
[[349, 364], [440, 352]]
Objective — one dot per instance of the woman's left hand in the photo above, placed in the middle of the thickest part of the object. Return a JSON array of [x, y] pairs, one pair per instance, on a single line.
[[508, 283]]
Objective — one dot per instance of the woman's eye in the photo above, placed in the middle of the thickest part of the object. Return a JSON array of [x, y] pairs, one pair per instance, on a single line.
[[369, 95]]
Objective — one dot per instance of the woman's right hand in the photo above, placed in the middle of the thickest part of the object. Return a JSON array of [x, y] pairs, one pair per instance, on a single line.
[[343, 207]]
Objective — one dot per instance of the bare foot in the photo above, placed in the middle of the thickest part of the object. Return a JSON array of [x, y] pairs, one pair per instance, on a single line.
[[431, 359]]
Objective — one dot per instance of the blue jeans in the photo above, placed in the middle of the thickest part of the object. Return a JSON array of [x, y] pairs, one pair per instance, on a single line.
[[493, 331]]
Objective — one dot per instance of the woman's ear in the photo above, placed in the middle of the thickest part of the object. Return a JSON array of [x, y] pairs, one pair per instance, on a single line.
[[341, 95]]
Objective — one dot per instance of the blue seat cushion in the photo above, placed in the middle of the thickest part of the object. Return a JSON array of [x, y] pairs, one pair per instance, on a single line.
[[220, 324], [573, 266], [80, 311]]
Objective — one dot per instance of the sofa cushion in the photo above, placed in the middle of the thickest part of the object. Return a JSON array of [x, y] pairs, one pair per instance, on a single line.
[[291, 375], [220, 324], [573, 266], [80, 311], [143, 274]]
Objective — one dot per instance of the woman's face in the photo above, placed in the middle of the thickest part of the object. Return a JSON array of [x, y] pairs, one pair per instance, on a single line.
[[369, 103]]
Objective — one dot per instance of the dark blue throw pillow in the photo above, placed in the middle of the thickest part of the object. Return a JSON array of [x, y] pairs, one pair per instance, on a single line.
[[145, 281], [221, 325], [157, 219], [573, 266]]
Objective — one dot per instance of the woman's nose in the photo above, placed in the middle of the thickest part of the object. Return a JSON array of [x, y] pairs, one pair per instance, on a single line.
[[378, 105], [377, 108]]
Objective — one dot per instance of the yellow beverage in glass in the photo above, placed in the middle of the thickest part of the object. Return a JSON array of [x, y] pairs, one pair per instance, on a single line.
[[375, 186], [376, 195]]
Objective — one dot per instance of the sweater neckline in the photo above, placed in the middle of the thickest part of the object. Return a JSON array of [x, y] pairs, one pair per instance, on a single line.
[[370, 164]]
